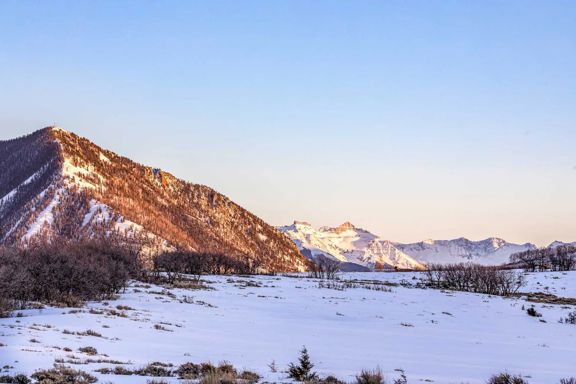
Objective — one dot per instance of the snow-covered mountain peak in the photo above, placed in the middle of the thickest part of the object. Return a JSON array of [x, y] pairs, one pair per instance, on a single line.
[[490, 251], [349, 244], [496, 242], [346, 226], [302, 224]]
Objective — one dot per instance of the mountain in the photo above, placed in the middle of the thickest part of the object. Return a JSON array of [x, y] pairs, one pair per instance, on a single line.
[[349, 244], [491, 251], [556, 244], [54, 183]]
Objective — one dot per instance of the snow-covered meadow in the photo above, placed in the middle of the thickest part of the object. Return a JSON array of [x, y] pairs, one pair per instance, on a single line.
[[434, 336]]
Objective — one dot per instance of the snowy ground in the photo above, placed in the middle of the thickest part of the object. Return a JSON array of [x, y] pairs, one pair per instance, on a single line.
[[435, 336]]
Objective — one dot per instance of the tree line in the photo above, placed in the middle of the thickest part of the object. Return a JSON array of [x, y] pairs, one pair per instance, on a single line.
[[562, 258], [474, 278]]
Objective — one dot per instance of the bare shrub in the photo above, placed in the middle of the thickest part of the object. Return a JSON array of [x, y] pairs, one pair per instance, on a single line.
[[6, 306], [533, 312], [89, 332], [331, 380], [88, 350], [402, 379], [63, 375], [249, 377], [570, 319], [342, 285], [188, 371], [65, 274], [506, 378], [170, 267], [18, 379], [155, 370], [474, 278], [568, 380], [370, 377]]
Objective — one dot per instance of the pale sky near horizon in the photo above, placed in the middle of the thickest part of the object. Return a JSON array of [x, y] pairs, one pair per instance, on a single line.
[[412, 119]]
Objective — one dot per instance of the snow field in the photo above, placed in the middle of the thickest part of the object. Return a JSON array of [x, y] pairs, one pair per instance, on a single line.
[[444, 337]]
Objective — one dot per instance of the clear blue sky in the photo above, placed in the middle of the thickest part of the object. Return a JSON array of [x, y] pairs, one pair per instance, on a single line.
[[414, 119]]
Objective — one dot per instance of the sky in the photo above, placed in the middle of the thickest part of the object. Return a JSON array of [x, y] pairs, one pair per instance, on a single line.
[[412, 119]]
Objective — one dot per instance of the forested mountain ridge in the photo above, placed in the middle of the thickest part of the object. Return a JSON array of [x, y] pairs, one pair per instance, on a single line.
[[56, 184]]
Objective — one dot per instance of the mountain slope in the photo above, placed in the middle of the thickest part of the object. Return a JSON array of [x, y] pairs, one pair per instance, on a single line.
[[491, 251], [54, 183], [349, 244]]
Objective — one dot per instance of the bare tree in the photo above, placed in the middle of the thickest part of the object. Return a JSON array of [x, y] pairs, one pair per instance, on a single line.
[[323, 267], [474, 278]]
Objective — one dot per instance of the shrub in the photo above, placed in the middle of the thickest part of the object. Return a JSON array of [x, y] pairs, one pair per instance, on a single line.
[[302, 371], [226, 368], [506, 378], [18, 379], [474, 278], [370, 377], [63, 375], [402, 379], [249, 377], [169, 267], [208, 373], [332, 380], [6, 306], [90, 332], [570, 319], [155, 370], [569, 380], [65, 273], [88, 350], [533, 312], [207, 368], [218, 378], [188, 371], [120, 371]]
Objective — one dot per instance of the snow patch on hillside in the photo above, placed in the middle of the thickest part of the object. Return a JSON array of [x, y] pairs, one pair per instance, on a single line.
[[46, 217], [6, 199], [79, 176]]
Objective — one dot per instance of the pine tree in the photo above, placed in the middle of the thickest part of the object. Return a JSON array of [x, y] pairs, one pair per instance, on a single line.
[[302, 371]]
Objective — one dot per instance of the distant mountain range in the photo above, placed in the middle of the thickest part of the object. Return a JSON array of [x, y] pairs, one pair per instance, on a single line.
[[351, 245], [54, 184]]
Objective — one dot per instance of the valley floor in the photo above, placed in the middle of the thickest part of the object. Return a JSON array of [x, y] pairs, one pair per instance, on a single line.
[[435, 336]]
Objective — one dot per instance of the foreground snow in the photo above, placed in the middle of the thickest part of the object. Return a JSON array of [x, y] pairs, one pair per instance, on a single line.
[[444, 337]]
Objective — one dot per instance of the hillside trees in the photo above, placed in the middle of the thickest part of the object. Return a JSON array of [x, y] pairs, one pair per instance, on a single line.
[[65, 273], [175, 264], [562, 258]]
